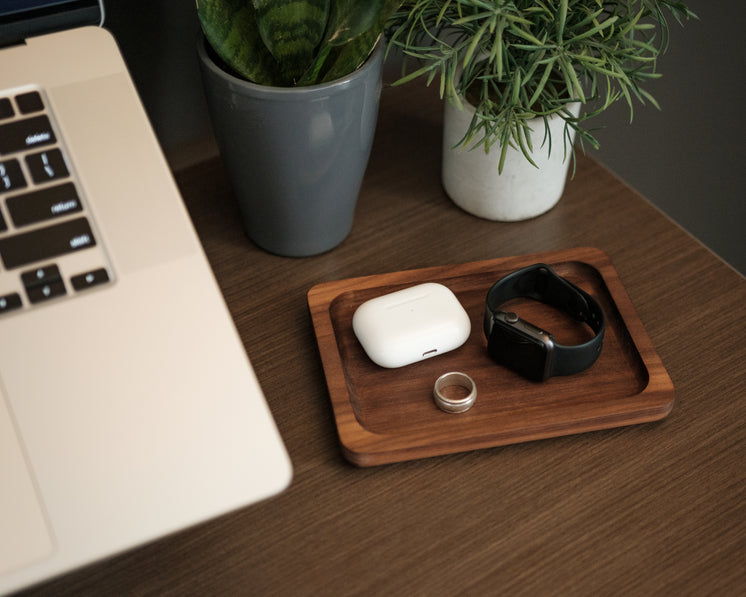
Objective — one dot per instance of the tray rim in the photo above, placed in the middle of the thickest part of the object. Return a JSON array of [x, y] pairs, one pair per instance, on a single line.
[[363, 447]]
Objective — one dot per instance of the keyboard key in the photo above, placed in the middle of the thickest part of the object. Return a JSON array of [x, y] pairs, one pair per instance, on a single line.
[[90, 279], [47, 165], [6, 108], [11, 176], [44, 204], [43, 283], [9, 302], [46, 243], [3, 225], [20, 135], [29, 102], [41, 275], [37, 294]]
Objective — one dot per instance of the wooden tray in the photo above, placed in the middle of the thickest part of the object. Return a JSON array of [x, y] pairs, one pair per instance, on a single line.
[[388, 415]]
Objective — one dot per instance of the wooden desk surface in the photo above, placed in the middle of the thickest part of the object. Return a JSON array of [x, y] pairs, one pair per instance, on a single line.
[[658, 508]]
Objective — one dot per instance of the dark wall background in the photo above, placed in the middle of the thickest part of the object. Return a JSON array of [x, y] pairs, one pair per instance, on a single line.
[[688, 159]]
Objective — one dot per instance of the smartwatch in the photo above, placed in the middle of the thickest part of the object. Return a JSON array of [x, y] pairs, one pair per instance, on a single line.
[[527, 349]]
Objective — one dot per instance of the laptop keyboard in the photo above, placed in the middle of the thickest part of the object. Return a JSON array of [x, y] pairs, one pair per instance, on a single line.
[[48, 248]]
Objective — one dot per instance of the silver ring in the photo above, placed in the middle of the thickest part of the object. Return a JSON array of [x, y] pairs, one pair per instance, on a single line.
[[454, 403]]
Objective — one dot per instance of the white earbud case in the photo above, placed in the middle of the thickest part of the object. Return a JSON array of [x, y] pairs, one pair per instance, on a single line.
[[410, 325]]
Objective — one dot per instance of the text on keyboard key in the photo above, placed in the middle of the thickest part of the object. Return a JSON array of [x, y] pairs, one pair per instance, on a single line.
[[11, 176], [43, 283], [90, 279], [46, 243], [41, 275], [10, 302], [44, 204], [47, 165], [20, 135]]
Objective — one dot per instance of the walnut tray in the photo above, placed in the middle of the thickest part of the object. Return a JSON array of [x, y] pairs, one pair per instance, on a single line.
[[388, 415]]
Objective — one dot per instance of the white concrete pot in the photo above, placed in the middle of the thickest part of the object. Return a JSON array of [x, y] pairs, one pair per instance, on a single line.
[[521, 191]]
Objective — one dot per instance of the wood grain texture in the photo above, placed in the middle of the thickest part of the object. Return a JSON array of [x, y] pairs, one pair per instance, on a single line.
[[388, 415], [652, 509]]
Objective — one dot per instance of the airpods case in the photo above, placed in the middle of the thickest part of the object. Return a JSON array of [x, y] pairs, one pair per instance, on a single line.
[[410, 325]]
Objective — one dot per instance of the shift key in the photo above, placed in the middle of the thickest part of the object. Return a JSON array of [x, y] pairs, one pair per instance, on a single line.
[[46, 243]]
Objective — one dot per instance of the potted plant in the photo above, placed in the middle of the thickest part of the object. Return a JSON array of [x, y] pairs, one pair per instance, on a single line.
[[292, 89], [516, 75]]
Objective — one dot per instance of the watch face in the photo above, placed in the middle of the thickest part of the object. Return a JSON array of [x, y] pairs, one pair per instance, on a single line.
[[517, 350]]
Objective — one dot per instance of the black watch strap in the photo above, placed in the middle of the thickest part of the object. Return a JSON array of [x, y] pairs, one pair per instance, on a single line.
[[541, 283]]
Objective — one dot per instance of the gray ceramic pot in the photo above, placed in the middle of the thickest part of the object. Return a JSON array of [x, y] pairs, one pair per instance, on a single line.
[[295, 156]]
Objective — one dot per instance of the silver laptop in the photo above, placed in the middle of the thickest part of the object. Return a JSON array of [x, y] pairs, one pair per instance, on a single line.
[[128, 408]]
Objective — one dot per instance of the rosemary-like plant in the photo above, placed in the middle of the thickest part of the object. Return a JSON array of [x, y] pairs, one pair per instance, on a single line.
[[518, 60]]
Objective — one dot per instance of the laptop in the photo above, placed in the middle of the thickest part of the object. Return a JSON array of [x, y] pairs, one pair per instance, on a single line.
[[128, 407]]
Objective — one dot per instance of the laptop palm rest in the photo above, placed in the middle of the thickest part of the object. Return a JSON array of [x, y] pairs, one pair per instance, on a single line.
[[21, 515]]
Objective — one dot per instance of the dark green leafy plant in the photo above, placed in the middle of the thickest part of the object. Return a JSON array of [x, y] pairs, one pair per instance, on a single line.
[[293, 42], [518, 60]]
